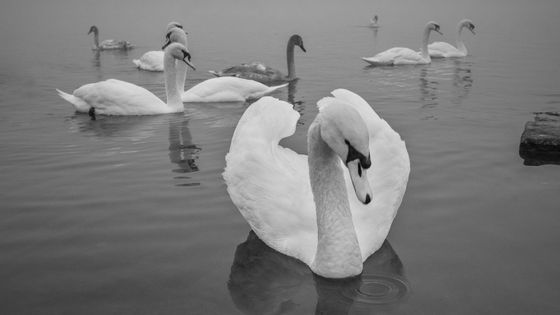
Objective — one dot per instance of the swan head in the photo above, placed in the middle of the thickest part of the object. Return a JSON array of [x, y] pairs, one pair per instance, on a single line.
[[93, 29], [468, 24], [175, 35], [433, 26], [346, 133], [173, 24], [298, 41], [179, 52]]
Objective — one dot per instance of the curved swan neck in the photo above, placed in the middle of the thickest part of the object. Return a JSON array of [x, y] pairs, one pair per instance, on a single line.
[[459, 42], [171, 86], [96, 38], [338, 252], [425, 40], [290, 58]]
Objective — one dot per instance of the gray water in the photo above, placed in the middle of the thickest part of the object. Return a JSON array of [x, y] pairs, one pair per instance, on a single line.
[[130, 215]]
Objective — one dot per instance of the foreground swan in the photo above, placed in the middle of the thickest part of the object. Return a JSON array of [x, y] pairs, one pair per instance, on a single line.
[[446, 50], [153, 60], [299, 204], [405, 56], [116, 97], [260, 72], [108, 44]]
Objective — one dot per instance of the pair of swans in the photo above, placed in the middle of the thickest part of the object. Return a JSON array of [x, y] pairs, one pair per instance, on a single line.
[[108, 44], [116, 97], [406, 56], [299, 205], [262, 73]]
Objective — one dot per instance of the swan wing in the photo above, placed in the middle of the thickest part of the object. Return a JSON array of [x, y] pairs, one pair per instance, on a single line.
[[227, 89], [443, 50], [116, 97], [150, 61], [253, 71], [268, 183], [388, 175]]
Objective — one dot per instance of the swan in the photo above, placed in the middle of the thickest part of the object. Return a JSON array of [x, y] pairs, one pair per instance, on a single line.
[[153, 60], [262, 73], [373, 22], [116, 97], [108, 44], [298, 204], [446, 50], [405, 56], [227, 89]]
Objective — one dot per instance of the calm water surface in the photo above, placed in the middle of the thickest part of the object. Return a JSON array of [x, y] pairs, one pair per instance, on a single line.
[[130, 215]]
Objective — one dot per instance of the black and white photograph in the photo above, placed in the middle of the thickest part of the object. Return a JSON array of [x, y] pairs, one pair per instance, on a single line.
[[292, 157]]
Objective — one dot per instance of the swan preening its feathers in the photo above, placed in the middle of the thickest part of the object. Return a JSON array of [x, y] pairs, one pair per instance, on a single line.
[[262, 73], [446, 50], [300, 205], [116, 97], [405, 56], [108, 44]]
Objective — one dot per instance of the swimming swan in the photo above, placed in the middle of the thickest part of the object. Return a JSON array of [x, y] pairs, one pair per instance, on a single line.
[[227, 89], [262, 73], [446, 50], [153, 60], [116, 97], [405, 56], [299, 204], [108, 44]]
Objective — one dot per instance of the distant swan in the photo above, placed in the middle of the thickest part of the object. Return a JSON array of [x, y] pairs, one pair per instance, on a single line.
[[116, 97], [405, 56], [262, 73], [153, 60], [373, 22], [299, 204], [446, 50], [108, 44]]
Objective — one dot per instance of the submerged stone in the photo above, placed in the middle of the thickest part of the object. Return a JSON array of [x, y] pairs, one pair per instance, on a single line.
[[540, 141]]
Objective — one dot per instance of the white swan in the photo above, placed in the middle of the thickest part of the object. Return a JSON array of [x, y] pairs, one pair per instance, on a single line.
[[299, 204], [108, 44], [262, 73], [405, 56], [153, 60], [227, 89], [446, 50], [116, 97], [373, 22]]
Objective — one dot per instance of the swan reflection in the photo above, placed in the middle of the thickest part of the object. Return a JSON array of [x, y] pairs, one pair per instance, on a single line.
[[462, 80], [182, 151], [428, 89], [264, 281]]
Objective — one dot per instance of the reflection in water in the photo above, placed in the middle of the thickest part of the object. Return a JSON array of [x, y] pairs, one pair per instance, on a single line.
[[182, 151], [96, 61], [264, 281], [462, 80], [428, 89]]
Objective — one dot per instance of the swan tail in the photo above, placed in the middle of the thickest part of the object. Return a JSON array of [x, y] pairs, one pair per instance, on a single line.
[[268, 91], [79, 104], [215, 73], [137, 62]]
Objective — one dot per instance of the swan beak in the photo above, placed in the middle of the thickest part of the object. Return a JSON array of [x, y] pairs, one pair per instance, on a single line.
[[440, 33], [166, 44], [472, 31], [358, 174], [188, 63], [303, 48]]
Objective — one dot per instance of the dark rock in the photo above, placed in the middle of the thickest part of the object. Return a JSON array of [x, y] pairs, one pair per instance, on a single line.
[[540, 141]]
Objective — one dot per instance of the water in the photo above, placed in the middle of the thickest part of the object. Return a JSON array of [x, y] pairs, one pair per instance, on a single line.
[[130, 215]]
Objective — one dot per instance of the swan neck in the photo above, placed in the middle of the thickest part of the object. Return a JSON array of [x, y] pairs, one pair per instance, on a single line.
[[459, 42], [171, 86], [96, 39], [290, 59], [181, 69], [338, 252], [425, 39]]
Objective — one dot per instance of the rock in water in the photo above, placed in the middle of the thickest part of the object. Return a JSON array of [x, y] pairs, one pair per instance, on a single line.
[[540, 141]]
